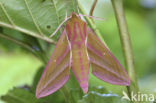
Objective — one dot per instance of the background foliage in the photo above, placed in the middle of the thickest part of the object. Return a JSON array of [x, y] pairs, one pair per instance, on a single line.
[[25, 46]]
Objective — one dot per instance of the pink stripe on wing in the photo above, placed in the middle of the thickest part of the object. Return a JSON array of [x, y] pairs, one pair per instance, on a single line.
[[52, 89], [84, 29], [84, 86], [82, 38], [75, 75], [64, 32], [75, 33], [69, 31], [62, 56]]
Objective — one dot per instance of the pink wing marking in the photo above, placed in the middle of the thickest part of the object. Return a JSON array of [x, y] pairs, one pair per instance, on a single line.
[[79, 29], [98, 53], [104, 65], [76, 30], [69, 32], [80, 67], [84, 29], [56, 72], [80, 63]]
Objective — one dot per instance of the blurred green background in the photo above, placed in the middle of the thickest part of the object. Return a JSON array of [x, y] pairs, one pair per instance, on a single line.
[[18, 66]]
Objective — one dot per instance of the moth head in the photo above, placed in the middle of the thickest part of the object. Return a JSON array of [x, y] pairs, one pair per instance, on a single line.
[[74, 15]]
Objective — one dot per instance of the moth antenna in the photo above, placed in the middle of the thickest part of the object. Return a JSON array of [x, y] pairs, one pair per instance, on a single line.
[[97, 18], [60, 26]]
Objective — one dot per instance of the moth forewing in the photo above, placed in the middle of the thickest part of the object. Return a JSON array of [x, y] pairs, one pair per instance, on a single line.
[[104, 65], [56, 73]]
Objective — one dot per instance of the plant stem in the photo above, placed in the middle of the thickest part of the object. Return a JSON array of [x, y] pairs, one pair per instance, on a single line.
[[92, 25], [92, 8], [45, 38], [126, 43]]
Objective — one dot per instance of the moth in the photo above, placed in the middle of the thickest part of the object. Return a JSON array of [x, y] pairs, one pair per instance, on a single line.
[[78, 48]]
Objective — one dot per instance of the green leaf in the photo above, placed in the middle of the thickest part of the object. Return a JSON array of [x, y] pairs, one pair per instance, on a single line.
[[23, 95], [38, 18], [27, 42], [18, 95], [95, 97], [96, 94]]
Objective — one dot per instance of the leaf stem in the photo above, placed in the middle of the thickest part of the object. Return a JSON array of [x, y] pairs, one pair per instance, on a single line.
[[2, 24], [126, 44]]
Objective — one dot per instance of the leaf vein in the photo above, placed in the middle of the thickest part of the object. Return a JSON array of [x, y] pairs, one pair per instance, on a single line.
[[7, 15], [57, 14], [37, 26], [27, 32], [15, 97]]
